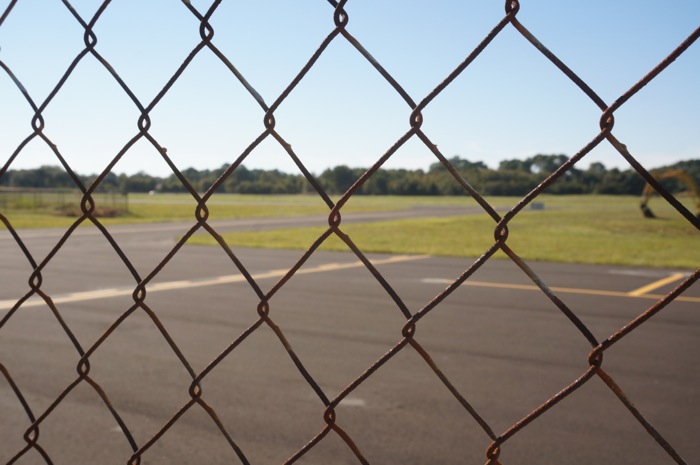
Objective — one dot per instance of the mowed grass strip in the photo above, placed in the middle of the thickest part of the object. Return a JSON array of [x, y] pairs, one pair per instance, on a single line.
[[162, 208], [613, 237], [578, 229]]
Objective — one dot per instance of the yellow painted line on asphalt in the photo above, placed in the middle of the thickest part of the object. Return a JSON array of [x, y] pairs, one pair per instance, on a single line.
[[656, 284], [160, 287], [563, 290]]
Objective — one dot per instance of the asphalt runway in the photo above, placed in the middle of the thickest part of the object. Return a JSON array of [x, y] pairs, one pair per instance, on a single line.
[[504, 346]]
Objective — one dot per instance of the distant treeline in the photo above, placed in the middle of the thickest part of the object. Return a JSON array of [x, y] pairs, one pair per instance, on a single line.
[[512, 177]]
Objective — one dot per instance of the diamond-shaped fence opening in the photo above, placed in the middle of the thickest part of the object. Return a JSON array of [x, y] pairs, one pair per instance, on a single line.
[[251, 362]]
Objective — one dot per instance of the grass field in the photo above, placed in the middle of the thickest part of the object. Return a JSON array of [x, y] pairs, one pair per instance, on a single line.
[[144, 208], [596, 230], [578, 229]]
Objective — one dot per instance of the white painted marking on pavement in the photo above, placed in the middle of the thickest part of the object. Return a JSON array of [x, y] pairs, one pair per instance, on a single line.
[[353, 402], [643, 273], [159, 287]]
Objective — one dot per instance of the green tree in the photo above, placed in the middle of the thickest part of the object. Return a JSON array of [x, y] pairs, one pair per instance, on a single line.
[[339, 179]]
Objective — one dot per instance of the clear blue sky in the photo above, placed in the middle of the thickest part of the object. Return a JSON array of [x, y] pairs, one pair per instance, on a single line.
[[510, 103]]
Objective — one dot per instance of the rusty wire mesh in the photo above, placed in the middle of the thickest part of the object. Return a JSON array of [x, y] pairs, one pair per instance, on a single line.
[[339, 31]]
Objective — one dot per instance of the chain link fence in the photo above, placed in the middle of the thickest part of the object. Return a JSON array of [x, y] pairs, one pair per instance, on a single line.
[[87, 351]]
